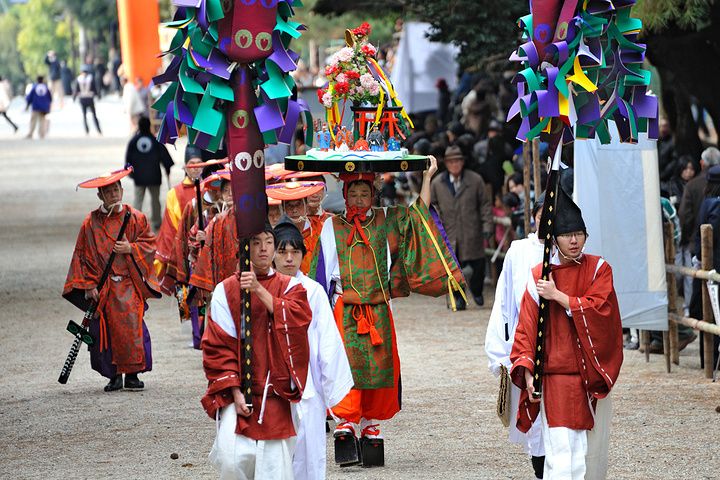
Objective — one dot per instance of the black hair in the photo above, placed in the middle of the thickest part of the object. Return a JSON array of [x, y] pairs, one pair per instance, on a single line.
[[517, 179], [297, 244], [40, 79]]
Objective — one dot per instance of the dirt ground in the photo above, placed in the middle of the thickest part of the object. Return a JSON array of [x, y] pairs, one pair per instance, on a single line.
[[665, 426]]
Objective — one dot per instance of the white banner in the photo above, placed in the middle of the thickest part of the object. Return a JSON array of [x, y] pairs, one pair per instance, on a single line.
[[618, 189]]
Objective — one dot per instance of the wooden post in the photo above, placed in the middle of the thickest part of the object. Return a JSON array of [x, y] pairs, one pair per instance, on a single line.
[[645, 341], [706, 249], [672, 294], [526, 185], [537, 164], [672, 297]]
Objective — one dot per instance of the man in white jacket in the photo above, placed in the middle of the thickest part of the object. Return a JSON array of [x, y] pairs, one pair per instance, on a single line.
[[329, 366], [520, 258]]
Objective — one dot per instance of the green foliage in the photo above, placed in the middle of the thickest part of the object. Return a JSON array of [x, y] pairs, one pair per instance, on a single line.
[[42, 28], [659, 15], [93, 14], [10, 65], [481, 28], [328, 32]]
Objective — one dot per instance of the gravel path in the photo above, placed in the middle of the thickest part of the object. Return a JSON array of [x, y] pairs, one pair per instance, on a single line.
[[447, 428]]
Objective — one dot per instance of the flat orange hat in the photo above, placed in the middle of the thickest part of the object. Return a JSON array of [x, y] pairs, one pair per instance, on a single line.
[[276, 171], [303, 175], [293, 190], [106, 179], [213, 181]]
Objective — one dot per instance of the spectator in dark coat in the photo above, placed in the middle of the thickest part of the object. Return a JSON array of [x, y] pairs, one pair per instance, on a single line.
[[465, 210], [39, 101], [709, 213], [693, 196], [145, 154]]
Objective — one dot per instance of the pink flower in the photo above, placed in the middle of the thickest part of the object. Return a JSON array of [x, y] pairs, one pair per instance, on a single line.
[[327, 100], [366, 80], [345, 54], [341, 78]]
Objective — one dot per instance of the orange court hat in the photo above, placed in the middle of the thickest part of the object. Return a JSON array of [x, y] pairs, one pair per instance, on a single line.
[[304, 175], [105, 179], [276, 171], [210, 163], [213, 181], [293, 190]]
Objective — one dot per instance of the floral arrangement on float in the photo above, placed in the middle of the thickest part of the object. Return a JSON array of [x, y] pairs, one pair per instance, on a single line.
[[380, 123], [355, 78]]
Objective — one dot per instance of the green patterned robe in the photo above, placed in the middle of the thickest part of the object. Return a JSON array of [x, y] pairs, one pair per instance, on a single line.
[[406, 254]]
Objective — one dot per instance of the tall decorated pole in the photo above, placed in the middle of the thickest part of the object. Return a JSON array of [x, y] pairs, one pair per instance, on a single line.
[[229, 84], [581, 66]]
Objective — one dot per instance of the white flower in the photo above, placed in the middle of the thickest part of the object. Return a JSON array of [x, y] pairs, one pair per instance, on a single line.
[[366, 80], [327, 100], [341, 78], [345, 54]]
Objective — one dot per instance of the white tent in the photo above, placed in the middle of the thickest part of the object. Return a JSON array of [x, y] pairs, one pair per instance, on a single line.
[[419, 63], [618, 189]]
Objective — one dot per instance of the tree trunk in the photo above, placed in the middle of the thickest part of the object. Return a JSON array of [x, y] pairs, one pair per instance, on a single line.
[[690, 64]]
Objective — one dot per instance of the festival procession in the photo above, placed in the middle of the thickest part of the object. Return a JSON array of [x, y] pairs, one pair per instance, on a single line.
[[450, 239]]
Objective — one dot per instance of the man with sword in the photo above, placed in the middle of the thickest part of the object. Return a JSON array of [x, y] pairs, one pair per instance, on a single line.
[[121, 341]]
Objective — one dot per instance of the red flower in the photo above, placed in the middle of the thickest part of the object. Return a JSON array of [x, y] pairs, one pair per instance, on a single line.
[[362, 31], [352, 75], [331, 70], [368, 50], [320, 94], [341, 88]]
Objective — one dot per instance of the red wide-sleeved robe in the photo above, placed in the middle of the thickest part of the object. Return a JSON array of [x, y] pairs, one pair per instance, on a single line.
[[218, 259], [280, 348], [583, 347], [177, 198], [122, 298]]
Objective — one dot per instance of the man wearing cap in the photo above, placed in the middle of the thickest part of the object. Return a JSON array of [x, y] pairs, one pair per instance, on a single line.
[[258, 440], [583, 352], [121, 339], [465, 210], [329, 378], [520, 258], [177, 198], [364, 258]]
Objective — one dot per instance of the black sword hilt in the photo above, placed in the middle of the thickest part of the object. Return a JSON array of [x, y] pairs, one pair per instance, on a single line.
[[70, 361]]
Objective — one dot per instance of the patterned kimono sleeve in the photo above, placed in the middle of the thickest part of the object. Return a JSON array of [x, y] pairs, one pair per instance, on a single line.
[[423, 263]]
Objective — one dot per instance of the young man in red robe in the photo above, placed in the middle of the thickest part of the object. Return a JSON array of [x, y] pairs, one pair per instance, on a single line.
[[256, 441], [122, 341], [177, 198], [583, 352], [185, 250], [218, 259]]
